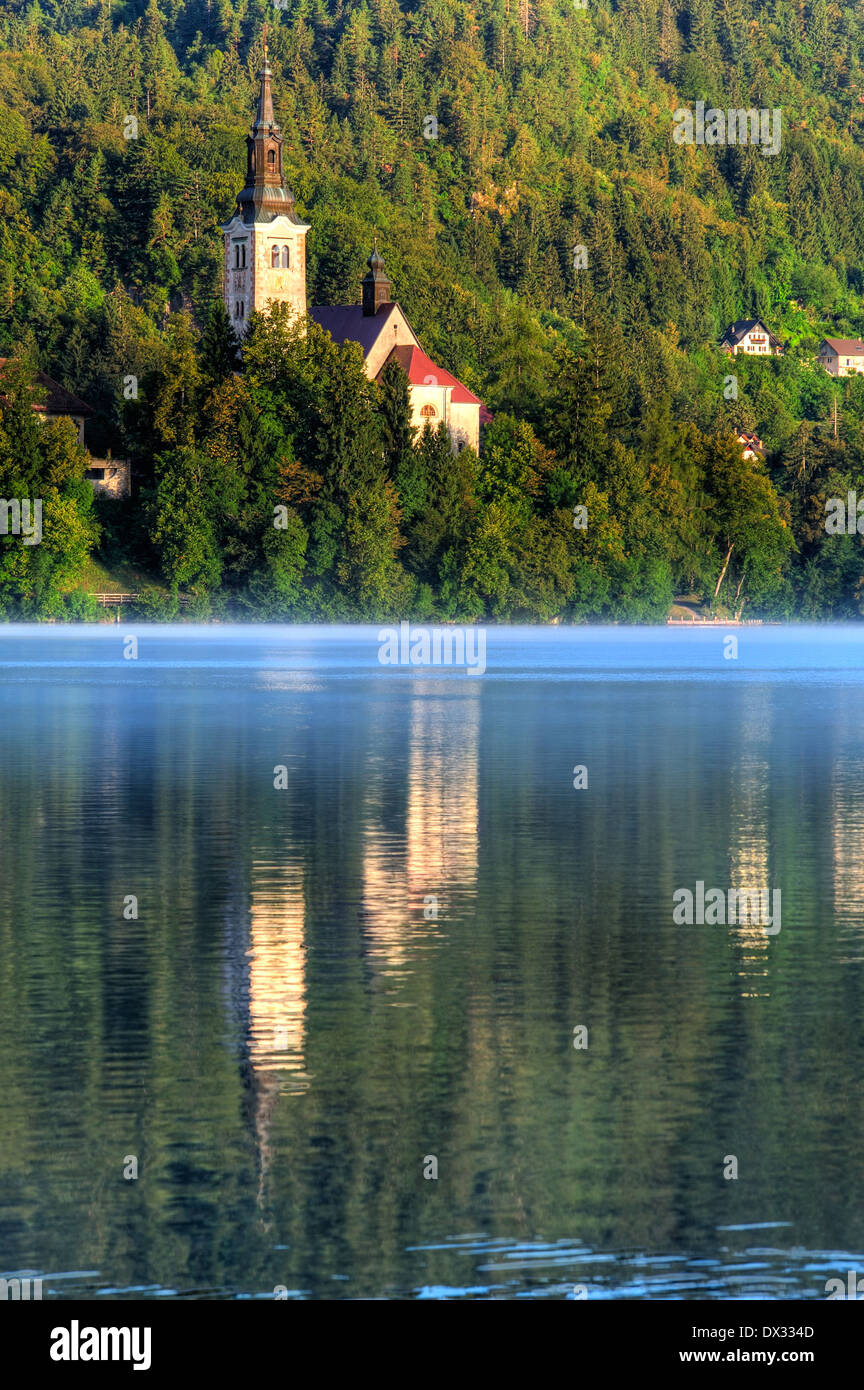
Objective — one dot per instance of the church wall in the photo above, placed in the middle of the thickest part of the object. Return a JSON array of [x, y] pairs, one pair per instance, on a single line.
[[238, 280], [396, 334], [464, 422], [462, 418], [434, 396]]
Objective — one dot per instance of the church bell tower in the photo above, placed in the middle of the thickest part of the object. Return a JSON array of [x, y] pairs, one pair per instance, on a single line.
[[265, 242]]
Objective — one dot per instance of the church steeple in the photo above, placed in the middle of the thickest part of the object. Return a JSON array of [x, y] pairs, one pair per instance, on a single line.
[[265, 115], [376, 285], [265, 195], [265, 241]]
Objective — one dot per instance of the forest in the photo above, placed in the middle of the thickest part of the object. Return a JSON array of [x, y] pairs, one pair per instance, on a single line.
[[553, 247]]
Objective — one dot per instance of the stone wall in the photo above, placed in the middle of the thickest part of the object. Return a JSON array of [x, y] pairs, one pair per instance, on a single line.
[[112, 477]]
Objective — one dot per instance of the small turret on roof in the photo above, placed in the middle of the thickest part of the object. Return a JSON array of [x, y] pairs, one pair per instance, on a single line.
[[376, 284]]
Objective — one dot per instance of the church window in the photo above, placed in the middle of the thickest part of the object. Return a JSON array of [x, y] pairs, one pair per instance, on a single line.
[[274, 258], [285, 258], [239, 309], [428, 412], [240, 256], [271, 156]]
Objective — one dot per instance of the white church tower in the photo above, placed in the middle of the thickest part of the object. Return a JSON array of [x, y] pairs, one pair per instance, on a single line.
[[265, 242]]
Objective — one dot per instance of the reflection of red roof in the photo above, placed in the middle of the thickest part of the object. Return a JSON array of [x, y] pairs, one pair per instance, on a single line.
[[422, 371]]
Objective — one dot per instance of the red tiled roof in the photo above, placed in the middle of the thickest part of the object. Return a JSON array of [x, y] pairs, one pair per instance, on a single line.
[[750, 441], [348, 323], [422, 371]]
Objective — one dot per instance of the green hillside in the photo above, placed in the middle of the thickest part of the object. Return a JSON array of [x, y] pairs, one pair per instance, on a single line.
[[552, 130]]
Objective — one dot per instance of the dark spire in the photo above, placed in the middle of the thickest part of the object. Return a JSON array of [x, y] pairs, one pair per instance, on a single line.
[[265, 194], [376, 285], [265, 115]]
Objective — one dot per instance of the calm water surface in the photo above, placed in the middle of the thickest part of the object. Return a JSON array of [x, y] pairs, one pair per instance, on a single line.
[[282, 1038]]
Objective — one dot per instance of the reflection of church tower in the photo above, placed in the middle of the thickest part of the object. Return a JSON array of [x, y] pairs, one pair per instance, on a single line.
[[749, 857], [277, 994], [266, 960], [265, 242], [277, 967], [847, 835]]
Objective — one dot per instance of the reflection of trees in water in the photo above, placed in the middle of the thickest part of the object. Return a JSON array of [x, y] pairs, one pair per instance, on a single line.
[[466, 1053]]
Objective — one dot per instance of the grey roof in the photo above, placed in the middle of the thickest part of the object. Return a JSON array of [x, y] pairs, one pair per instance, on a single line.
[[737, 330], [347, 323]]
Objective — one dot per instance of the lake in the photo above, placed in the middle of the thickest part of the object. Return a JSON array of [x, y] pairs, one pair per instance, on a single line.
[[377, 1003]]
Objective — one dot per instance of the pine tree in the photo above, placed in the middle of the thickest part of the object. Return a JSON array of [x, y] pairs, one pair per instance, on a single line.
[[219, 348], [394, 410]]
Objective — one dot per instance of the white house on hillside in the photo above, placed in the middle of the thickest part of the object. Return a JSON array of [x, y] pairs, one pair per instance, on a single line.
[[751, 337]]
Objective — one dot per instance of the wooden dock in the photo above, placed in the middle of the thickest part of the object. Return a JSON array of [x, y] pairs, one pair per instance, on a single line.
[[117, 600]]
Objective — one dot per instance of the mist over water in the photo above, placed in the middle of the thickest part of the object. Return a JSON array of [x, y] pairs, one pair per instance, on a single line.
[[286, 1033]]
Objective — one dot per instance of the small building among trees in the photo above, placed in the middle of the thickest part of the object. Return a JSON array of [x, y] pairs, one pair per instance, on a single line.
[[750, 336], [751, 444], [842, 356], [51, 401]]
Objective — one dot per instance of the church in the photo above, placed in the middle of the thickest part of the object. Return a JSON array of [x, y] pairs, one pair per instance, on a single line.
[[265, 262]]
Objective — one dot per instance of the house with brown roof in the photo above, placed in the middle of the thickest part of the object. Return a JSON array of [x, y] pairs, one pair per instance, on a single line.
[[265, 264], [751, 337], [51, 401], [842, 356]]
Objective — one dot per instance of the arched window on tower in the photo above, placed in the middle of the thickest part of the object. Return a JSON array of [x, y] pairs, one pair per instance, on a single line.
[[286, 260], [240, 256], [239, 309], [428, 412], [271, 157], [274, 258]]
